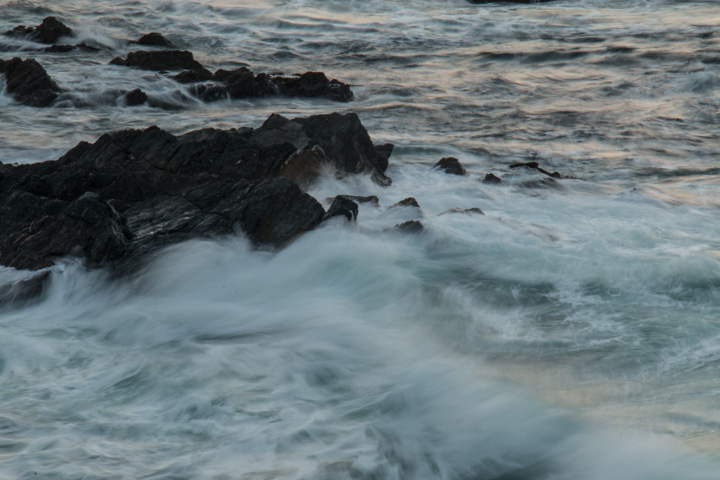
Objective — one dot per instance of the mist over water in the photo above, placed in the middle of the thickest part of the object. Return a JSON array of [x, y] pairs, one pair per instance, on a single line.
[[570, 332]]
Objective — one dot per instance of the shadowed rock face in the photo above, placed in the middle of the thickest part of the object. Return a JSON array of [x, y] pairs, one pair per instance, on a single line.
[[28, 82], [49, 31], [131, 192]]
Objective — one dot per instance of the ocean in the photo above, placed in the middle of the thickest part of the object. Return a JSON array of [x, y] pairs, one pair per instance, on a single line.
[[572, 332]]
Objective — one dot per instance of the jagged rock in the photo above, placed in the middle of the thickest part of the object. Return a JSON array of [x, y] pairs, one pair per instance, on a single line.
[[450, 165], [159, 60], [465, 211], [135, 97], [28, 82], [243, 83], [411, 226], [49, 31], [155, 39], [536, 166], [407, 202], [491, 178], [342, 138], [305, 166], [121, 198], [192, 76], [342, 206]]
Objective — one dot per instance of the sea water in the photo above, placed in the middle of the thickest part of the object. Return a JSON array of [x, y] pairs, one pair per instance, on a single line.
[[571, 332]]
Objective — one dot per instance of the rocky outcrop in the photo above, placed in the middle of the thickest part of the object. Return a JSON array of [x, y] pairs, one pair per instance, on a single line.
[[49, 31], [451, 166], [243, 83], [69, 48], [131, 192], [28, 82], [159, 60]]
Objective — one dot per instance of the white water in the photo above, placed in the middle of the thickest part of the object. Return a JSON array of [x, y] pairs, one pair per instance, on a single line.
[[568, 333]]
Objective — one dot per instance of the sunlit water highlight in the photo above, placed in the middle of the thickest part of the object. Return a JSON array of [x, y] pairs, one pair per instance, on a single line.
[[570, 332]]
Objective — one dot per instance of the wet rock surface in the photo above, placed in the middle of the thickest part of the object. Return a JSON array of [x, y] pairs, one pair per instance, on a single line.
[[28, 82], [119, 199], [49, 31]]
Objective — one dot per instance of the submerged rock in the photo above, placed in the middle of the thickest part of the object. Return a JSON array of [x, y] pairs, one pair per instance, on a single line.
[[159, 60], [68, 48], [536, 166], [192, 76], [49, 31], [411, 226], [28, 82], [131, 192], [407, 202], [464, 211], [450, 165]]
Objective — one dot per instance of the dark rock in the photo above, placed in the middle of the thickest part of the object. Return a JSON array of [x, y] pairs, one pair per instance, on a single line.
[[313, 84], [450, 165], [412, 226], [159, 60], [491, 178], [49, 31], [135, 97], [155, 39], [28, 82], [192, 76], [465, 211], [536, 166], [121, 198], [344, 141], [383, 155], [243, 83], [408, 202], [342, 206], [68, 48]]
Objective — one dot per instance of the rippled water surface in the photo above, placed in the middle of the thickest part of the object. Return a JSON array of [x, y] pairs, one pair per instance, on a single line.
[[571, 332]]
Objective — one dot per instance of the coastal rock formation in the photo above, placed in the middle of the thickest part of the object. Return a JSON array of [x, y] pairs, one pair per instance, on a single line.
[[491, 178], [243, 83], [49, 31], [131, 192], [159, 60], [28, 82]]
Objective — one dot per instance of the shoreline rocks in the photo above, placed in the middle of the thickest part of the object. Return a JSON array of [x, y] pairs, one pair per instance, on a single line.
[[131, 192], [49, 31], [28, 82]]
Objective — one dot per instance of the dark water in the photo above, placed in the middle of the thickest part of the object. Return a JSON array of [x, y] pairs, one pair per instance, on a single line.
[[571, 332]]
